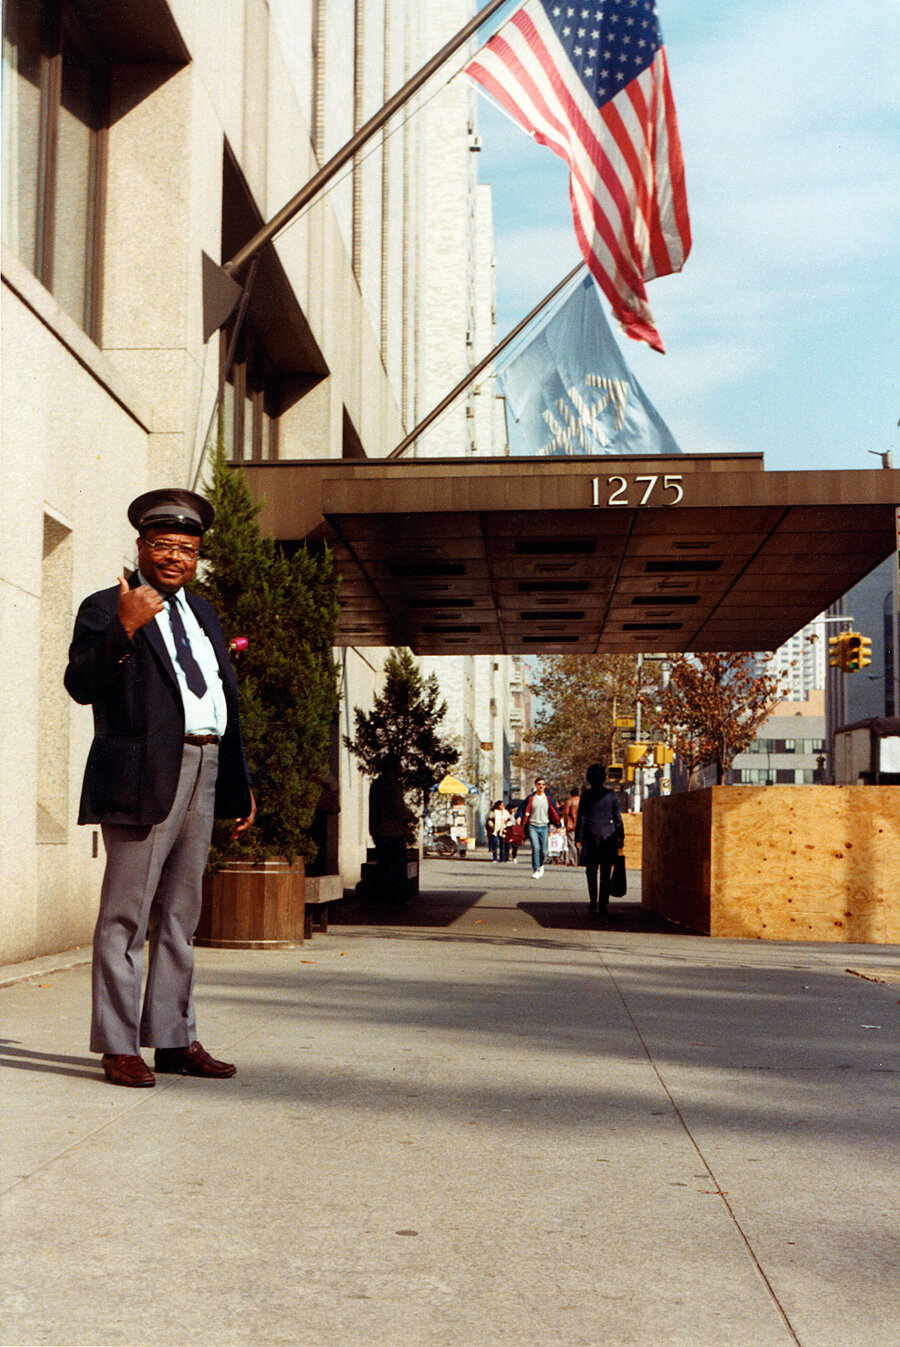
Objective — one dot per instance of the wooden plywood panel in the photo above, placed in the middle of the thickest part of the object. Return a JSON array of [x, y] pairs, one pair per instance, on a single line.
[[818, 863], [675, 874], [807, 863], [634, 835]]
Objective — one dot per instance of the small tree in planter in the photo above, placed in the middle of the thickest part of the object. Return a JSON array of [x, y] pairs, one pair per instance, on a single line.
[[404, 721], [287, 609]]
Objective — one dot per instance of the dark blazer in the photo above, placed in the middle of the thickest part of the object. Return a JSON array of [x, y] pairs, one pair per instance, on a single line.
[[135, 760], [599, 817]]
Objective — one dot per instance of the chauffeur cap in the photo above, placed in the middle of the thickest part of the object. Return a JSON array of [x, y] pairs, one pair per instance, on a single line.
[[171, 507]]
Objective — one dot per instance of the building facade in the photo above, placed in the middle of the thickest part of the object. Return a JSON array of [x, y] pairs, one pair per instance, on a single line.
[[788, 750], [872, 608], [800, 663], [136, 138]]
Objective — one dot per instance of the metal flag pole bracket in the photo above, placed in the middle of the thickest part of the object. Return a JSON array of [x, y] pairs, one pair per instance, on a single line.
[[243, 295], [220, 295]]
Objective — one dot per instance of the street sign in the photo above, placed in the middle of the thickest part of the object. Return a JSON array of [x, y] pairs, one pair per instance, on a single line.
[[627, 736], [624, 722]]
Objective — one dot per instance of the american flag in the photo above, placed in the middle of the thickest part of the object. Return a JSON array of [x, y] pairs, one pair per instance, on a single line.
[[591, 81]]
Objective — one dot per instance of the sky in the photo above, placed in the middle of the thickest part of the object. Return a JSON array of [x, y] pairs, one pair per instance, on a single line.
[[782, 331]]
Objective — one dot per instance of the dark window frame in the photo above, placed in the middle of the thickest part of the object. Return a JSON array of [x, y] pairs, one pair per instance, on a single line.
[[63, 32], [251, 378]]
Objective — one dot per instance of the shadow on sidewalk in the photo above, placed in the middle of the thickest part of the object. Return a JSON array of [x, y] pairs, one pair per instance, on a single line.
[[620, 916], [24, 1059], [438, 909]]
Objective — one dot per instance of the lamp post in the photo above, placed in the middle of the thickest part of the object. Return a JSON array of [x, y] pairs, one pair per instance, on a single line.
[[638, 771]]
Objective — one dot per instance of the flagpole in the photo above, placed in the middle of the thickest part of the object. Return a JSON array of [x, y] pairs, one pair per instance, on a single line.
[[481, 366], [365, 132]]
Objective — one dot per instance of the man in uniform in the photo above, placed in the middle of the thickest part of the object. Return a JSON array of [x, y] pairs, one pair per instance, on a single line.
[[167, 758]]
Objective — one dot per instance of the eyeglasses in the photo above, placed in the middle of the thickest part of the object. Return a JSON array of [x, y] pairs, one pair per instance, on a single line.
[[161, 548]]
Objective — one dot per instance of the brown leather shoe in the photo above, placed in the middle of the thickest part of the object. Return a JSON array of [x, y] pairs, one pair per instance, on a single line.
[[122, 1069], [191, 1061]]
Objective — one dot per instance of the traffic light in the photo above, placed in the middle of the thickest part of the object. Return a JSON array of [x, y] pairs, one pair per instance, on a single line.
[[837, 650], [851, 657], [615, 773], [662, 754], [634, 757], [858, 652]]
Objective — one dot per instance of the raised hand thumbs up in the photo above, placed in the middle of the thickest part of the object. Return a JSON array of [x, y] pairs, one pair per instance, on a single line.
[[138, 606]]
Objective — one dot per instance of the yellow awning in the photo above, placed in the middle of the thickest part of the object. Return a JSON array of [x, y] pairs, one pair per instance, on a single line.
[[451, 785]]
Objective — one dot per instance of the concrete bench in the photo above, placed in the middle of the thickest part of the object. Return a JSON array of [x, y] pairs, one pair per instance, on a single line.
[[321, 892]]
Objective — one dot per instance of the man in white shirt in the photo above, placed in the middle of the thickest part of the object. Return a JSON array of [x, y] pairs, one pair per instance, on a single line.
[[540, 812]]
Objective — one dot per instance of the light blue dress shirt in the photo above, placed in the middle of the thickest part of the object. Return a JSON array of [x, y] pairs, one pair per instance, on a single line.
[[202, 715]]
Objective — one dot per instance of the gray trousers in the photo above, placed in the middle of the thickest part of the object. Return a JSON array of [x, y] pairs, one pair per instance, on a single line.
[[152, 891]]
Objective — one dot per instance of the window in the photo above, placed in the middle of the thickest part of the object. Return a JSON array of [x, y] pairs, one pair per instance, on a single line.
[[750, 776], [248, 419], [55, 93]]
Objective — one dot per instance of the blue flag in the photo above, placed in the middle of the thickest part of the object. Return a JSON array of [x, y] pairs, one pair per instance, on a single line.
[[570, 392]]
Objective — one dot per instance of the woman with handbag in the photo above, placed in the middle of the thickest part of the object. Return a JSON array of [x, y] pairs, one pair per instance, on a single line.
[[599, 833], [498, 820]]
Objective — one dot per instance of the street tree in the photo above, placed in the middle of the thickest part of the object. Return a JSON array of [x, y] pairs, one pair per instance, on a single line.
[[404, 721], [578, 697], [713, 706]]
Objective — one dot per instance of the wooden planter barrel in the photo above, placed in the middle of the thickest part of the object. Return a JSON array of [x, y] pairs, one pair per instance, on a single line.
[[253, 906]]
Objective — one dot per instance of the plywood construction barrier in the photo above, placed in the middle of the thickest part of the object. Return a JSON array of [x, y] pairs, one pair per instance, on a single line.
[[634, 830], [777, 863]]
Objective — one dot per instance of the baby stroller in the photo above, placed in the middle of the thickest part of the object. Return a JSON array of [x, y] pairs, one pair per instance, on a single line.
[[556, 846]]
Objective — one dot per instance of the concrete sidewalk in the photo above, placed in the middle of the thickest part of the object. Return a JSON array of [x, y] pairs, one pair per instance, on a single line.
[[478, 1121]]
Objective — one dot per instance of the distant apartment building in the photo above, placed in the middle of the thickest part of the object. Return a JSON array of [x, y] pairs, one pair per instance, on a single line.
[[788, 751], [795, 744], [789, 748], [801, 662], [871, 608], [520, 720]]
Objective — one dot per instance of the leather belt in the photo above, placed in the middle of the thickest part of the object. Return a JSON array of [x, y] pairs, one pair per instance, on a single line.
[[201, 740]]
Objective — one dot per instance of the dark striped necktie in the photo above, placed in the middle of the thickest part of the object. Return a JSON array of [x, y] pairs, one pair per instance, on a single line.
[[192, 674]]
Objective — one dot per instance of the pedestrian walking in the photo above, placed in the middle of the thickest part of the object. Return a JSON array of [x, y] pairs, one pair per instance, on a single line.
[[167, 756], [540, 811], [514, 835], [569, 817], [498, 821], [599, 833]]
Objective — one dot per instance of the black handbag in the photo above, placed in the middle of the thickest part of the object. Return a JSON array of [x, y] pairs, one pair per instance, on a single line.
[[618, 884]]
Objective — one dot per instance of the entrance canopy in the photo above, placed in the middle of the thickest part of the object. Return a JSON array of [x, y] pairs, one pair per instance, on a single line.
[[580, 555]]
